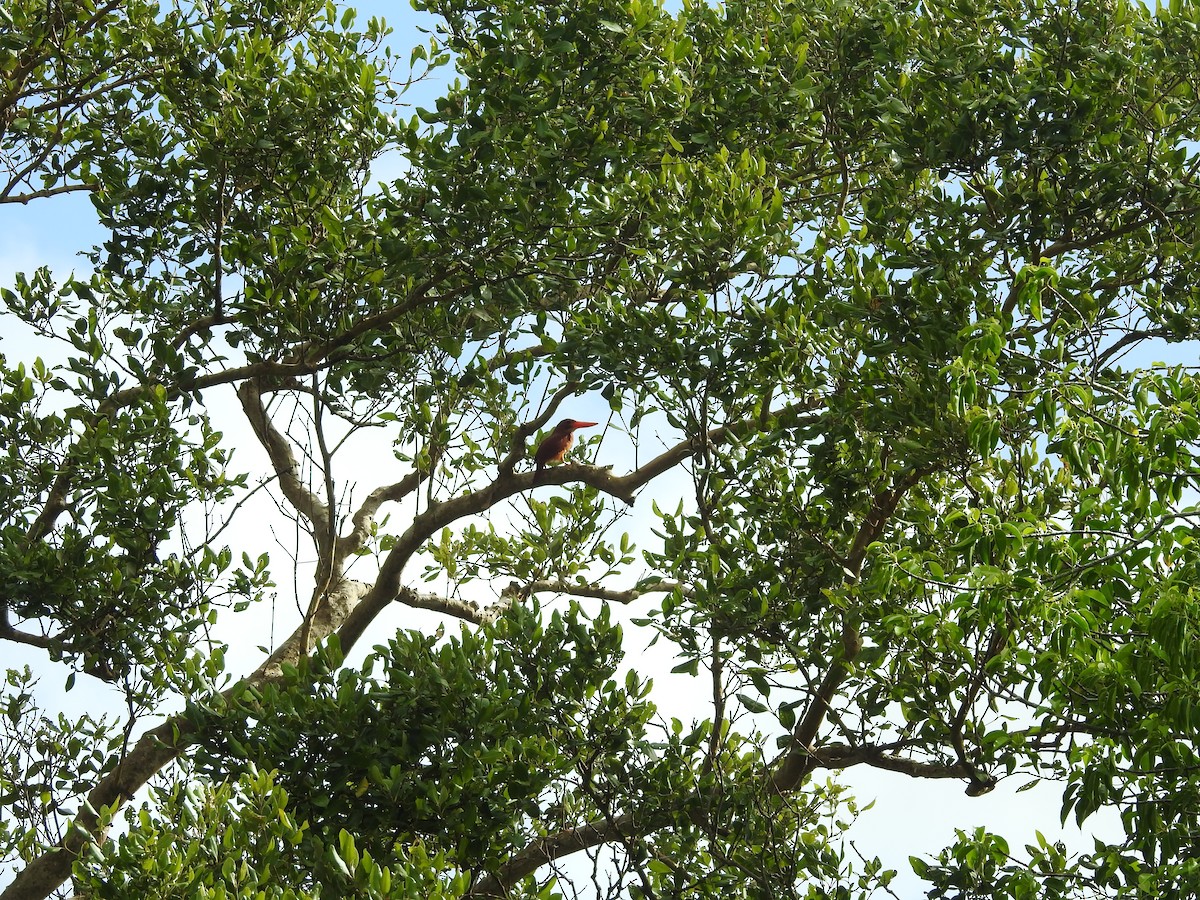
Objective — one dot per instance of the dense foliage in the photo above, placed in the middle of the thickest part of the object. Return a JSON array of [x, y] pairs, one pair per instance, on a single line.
[[871, 292]]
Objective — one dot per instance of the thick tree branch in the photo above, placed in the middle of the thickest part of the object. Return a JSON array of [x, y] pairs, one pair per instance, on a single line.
[[336, 604], [43, 875], [459, 609], [1127, 339], [553, 847], [56, 504], [326, 531], [716, 670], [797, 762], [788, 416], [9, 633], [364, 516], [309, 359], [881, 513], [1058, 248]]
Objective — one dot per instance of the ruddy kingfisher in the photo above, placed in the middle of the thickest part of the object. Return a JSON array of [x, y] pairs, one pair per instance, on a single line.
[[555, 445]]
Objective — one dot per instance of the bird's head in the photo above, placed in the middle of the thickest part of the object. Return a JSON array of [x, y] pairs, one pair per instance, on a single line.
[[566, 426]]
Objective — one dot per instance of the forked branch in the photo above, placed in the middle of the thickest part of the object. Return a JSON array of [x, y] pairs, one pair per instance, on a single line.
[[283, 461], [507, 484], [798, 761]]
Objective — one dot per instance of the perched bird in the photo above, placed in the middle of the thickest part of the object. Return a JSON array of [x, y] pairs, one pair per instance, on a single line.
[[556, 444]]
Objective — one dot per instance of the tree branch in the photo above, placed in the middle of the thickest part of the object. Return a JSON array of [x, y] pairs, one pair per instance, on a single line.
[[364, 516], [337, 603], [309, 353], [546, 850], [597, 592], [326, 530], [56, 501], [9, 633], [517, 447], [459, 609], [283, 461], [506, 484], [881, 512], [30, 196], [843, 756], [156, 749], [718, 697], [1058, 248], [797, 762]]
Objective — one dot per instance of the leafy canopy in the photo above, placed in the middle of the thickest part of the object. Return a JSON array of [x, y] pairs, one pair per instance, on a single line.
[[870, 293]]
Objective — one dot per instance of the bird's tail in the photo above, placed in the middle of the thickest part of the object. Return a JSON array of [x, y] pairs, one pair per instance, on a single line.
[[537, 474]]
